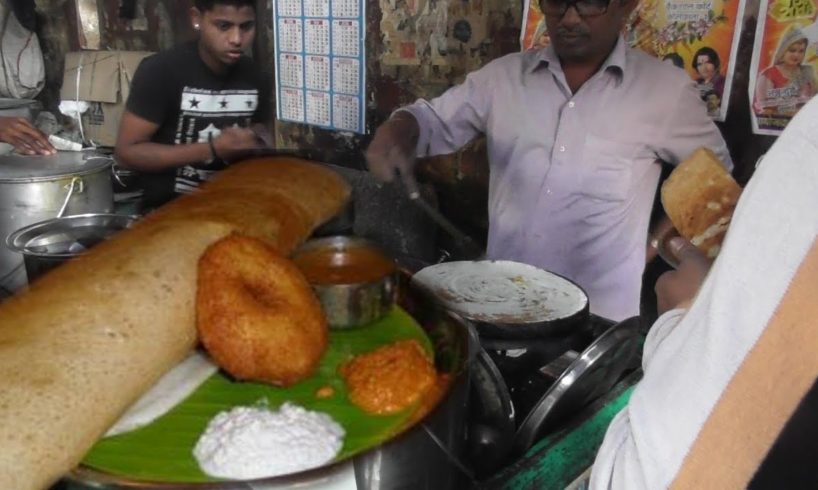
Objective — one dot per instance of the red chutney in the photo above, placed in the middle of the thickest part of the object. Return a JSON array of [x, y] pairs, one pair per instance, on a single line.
[[350, 266], [391, 378]]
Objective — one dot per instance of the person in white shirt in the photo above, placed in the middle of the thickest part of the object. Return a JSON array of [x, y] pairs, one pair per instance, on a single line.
[[729, 393]]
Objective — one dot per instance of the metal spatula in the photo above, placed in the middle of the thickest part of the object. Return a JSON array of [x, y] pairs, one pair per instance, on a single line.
[[464, 241]]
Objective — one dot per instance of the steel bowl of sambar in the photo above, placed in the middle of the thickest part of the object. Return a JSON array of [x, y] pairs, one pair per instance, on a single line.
[[353, 278]]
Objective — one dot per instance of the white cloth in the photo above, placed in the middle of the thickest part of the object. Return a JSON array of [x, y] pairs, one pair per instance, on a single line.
[[171, 389], [691, 356], [22, 70]]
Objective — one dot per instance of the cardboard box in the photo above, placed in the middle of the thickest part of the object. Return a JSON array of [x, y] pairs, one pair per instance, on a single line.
[[102, 78]]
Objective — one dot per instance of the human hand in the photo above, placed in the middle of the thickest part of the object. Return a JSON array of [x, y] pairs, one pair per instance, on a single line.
[[233, 141], [392, 150], [677, 288], [25, 138]]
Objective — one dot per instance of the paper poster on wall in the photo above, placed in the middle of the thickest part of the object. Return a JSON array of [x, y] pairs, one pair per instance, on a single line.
[[319, 62], [785, 58], [698, 36]]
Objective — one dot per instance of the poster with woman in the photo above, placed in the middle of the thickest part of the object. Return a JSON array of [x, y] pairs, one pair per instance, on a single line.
[[783, 70], [698, 36]]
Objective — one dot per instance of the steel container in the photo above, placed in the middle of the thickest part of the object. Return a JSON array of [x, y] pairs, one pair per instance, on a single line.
[[49, 243], [350, 304], [38, 188]]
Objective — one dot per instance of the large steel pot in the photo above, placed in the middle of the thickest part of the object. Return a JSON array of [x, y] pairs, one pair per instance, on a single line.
[[38, 188]]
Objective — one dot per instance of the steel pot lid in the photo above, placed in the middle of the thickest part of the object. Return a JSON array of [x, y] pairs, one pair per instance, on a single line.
[[590, 375], [507, 299], [35, 168], [68, 236], [491, 414]]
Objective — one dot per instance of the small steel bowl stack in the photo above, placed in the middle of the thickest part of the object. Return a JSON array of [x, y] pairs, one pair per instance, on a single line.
[[354, 279]]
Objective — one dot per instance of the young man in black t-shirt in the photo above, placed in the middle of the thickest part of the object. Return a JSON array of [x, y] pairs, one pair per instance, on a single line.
[[195, 106]]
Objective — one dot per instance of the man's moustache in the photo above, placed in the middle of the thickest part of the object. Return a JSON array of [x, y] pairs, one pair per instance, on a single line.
[[572, 32]]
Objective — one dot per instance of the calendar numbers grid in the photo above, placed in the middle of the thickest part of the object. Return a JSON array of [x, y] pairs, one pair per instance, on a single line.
[[320, 62]]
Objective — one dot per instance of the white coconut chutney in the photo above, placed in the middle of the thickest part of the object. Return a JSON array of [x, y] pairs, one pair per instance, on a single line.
[[255, 442]]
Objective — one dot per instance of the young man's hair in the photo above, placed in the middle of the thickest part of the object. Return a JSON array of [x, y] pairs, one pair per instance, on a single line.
[[205, 5]]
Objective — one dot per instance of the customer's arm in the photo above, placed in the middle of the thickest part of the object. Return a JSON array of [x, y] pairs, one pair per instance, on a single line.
[[24, 137], [692, 356]]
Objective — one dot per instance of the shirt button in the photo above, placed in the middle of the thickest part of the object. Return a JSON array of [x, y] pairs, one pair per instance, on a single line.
[[548, 191], [562, 148], [571, 104]]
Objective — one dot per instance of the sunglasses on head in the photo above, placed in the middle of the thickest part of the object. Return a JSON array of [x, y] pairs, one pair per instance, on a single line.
[[585, 8]]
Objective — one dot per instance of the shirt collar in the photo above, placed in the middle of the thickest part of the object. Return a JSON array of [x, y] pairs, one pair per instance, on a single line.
[[616, 61]]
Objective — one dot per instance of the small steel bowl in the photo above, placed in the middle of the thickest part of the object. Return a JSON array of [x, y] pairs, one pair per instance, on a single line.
[[354, 279]]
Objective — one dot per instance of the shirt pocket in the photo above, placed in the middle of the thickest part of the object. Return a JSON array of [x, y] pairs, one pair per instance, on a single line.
[[606, 172]]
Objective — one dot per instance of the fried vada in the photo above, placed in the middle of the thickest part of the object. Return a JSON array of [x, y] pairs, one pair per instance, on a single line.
[[390, 378], [256, 314]]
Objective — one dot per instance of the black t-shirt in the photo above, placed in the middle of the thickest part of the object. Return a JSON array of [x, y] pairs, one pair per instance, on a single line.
[[176, 90]]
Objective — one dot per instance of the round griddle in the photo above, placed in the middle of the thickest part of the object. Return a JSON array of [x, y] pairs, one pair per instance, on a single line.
[[506, 299]]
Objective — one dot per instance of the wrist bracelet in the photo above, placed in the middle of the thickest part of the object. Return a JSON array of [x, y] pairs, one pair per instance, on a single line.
[[213, 156]]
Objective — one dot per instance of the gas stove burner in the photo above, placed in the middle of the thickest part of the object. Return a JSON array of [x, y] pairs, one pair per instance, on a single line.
[[517, 359], [580, 379]]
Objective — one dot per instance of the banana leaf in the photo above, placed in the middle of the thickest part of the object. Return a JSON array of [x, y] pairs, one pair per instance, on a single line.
[[163, 450]]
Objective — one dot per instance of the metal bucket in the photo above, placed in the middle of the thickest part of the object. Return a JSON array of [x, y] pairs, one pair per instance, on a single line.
[[38, 188], [48, 244]]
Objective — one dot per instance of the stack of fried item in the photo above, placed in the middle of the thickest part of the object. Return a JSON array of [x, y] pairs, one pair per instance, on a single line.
[[87, 339], [699, 198]]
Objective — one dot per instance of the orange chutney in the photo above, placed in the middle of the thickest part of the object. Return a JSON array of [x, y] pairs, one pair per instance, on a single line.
[[353, 265], [390, 378]]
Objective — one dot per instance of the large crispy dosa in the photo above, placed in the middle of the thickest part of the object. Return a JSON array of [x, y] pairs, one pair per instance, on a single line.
[[699, 198], [87, 339]]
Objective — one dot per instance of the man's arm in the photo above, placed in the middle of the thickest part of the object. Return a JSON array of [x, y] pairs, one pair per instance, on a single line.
[[690, 363], [449, 122], [24, 137], [135, 150], [687, 128], [428, 128]]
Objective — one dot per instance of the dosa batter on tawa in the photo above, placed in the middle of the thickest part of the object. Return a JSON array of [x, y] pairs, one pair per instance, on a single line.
[[91, 336]]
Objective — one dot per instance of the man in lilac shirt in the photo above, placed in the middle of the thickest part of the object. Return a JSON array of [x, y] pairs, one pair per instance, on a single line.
[[575, 132]]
